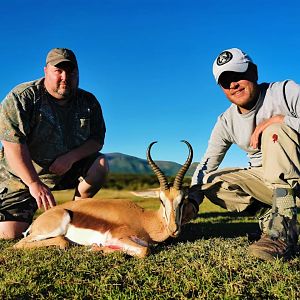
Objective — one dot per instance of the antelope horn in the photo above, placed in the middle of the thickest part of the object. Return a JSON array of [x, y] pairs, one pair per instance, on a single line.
[[179, 177], [157, 171]]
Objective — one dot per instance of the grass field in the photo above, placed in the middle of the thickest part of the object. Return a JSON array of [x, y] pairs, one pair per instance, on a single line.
[[208, 261]]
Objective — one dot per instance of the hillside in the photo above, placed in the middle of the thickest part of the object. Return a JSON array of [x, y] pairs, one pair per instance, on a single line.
[[126, 164]]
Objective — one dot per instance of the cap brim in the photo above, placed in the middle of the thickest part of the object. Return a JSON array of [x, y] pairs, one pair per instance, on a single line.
[[238, 68], [55, 62]]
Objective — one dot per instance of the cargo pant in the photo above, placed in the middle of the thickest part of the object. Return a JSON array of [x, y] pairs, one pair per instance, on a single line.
[[237, 189]]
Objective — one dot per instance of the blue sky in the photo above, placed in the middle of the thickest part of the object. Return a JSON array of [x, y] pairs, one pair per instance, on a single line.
[[149, 63]]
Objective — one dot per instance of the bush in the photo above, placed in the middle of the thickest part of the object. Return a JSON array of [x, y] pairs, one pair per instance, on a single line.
[[135, 182]]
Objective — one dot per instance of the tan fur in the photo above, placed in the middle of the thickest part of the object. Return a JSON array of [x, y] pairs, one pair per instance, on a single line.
[[130, 228]]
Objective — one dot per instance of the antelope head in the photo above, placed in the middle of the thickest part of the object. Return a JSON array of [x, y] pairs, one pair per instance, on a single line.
[[172, 197]]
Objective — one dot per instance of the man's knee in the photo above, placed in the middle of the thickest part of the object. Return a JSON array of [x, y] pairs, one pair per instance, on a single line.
[[276, 130], [98, 171], [275, 127], [12, 229], [103, 162]]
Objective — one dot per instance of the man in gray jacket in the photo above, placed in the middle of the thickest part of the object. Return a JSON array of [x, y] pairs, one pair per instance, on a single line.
[[264, 121]]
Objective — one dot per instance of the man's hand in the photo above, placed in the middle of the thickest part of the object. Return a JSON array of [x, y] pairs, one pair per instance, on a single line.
[[256, 135], [62, 164], [190, 211], [195, 198], [42, 195]]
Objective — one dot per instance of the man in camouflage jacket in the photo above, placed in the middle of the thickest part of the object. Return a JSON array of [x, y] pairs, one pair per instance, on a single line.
[[51, 132]]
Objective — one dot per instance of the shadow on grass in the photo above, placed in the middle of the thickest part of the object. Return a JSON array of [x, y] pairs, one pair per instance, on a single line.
[[217, 224], [221, 224]]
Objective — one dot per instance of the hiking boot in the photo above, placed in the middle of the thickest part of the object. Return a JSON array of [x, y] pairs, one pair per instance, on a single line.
[[269, 249], [264, 215], [280, 232], [283, 224]]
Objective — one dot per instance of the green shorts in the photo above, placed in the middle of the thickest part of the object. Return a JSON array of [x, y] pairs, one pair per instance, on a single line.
[[19, 205], [16, 205]]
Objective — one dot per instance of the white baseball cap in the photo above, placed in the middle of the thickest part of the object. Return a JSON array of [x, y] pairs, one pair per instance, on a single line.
[[234, 60]]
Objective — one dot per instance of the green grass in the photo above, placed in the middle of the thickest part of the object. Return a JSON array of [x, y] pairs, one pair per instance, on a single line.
[[208, 261]]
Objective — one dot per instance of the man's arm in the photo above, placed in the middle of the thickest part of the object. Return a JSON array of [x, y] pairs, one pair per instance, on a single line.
[[92, 145], [288, 97], [255, 138], [218, 144], [64, 162], [19, 160]]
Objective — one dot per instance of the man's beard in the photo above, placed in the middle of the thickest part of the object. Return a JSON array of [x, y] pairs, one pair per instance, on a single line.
[[64, 92]]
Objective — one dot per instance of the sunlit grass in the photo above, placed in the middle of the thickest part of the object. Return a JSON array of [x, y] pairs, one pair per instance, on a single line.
[[208, 261]]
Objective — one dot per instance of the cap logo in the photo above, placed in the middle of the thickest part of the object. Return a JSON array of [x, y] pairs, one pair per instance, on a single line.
[[224, 58]]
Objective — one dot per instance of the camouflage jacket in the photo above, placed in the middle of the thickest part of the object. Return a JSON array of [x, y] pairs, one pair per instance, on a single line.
[[30, 115]]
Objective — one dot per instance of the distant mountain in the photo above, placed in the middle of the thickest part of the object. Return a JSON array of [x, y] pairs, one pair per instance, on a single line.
[[126, 164], [192, 169]]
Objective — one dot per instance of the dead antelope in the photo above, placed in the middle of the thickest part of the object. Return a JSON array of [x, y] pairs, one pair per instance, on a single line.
[[113, 225]]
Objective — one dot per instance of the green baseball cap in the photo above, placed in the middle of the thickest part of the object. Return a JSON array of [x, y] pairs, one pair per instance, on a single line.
[[58, 55]]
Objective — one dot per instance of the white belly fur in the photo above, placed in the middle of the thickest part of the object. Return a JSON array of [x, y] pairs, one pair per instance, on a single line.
[[85, 236]]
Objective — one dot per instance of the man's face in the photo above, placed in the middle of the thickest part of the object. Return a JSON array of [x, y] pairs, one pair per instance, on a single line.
[[61, 81], [240, 88]]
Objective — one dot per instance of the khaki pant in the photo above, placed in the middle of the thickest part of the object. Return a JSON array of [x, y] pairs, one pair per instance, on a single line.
[[235, 189]]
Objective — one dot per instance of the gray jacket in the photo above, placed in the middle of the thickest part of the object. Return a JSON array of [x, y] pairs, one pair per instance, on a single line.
[[232, 127]]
